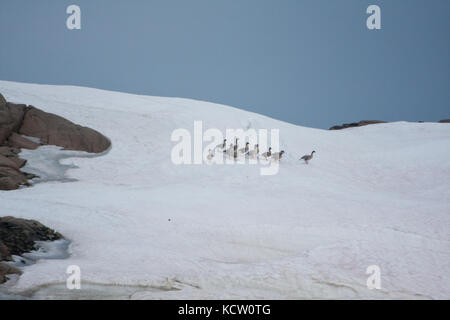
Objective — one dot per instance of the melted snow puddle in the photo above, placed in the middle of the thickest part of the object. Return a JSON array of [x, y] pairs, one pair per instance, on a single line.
[[58, 249], [45, 162], [88, 291]]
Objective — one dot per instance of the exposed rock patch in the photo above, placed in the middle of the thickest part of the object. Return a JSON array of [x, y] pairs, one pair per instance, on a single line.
[[9, 151], [11, 116], [367, 122], [55, 130], [12, 154], [11, 179], [7, 162], [19, 120], [4, 253], [6, 269], [2, 100], [18, 236], [17, 141], [356, 124]]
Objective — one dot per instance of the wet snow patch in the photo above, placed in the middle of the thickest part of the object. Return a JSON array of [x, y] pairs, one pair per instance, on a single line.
[[58, 249], [46, 163]]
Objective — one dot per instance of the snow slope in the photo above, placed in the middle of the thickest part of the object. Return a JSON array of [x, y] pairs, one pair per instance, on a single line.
[[375, 195]]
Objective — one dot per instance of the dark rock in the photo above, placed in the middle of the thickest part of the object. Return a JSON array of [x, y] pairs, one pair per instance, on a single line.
[[18, 161], [7, 162], [9, 151], [30, 176], [11, 116], [6, 269], [2, 100], [12, 154], [356, 124], [19, 235], [55, 130], [10, 176], [11, 179], [17, 141], [4, 252], [445, 121]]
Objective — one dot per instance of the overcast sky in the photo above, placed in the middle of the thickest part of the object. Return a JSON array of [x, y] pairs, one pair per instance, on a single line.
[[312, 63]]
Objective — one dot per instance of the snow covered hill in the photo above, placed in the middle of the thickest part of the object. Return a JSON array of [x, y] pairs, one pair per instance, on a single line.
[[374, 195]]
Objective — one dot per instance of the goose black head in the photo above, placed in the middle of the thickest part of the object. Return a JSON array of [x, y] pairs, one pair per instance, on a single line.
[[313, 152]]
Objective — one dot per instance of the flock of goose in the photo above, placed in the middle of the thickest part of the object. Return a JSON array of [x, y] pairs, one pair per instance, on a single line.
[[233, 151]]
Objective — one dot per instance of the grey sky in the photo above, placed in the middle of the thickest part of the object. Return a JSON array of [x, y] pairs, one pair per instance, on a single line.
[[311, 63]]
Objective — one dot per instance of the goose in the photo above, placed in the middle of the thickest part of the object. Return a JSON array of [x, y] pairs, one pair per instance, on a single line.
[[230, 150], [210, 154], [236, 145], [226, 150], [222, 146], [268, 153], [235, 149], [252, 154], [244, 150], [277, 155], [307, 157]]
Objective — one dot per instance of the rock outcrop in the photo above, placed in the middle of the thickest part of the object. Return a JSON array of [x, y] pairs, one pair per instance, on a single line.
[[11, 177], [6, 269], [55, 130], [2, 100], [11, 116], [13, 155], [4, 253], [356, 124], [17, 141], [367, 122], [18, 122], [18, 236], [8, 162]]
